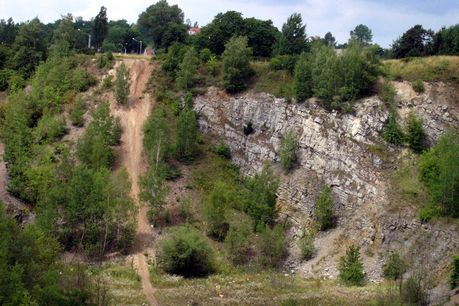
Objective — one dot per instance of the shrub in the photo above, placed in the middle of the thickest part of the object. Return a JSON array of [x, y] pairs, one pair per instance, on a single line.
[[271, 246], [107, 82], [392, 132], [205, 55], [415, 135], [236, 64], [105, 60], [49, 128], [306, 245], [248, 128], [283, 62], [418, 86], [174, 57], [186, 252], [186, 145], [122, 84], [413, 292], [238, 244], [324, 209], [222, 149], [5, 75], [187, 70], [288, 148], [214, 211], [351, 267], [454, 278], [394, 268], [388, 93], [439, 171], [302, 78], [77, 113]]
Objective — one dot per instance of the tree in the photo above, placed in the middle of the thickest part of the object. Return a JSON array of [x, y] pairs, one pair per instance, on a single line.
[[351, 267], [162, 24], [324, 209], [214, 211], [100, 27], [415, 135], [236, 64], [122, 84], [329, 40], [362, 34], [293, 38], [271, 246], [288, 148], [187, 70], [302, 78], [186, 145], [395, 267], [65, 35], [8, 31], [446, 41], [261, 35], [417, 41], [392, 131]]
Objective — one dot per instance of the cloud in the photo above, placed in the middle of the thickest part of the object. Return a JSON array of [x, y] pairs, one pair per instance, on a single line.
[[388, 19]]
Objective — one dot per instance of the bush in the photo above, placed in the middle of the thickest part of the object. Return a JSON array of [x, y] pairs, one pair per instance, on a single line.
[[392, 132], [388, 93], [205, 55], [214, 211], [238, 244], [283, 62], [107, 83], [324, 209], [105, 60], [394, 268], [351, 267], [236, 64], [248, 128], [77, 113], [271, 246], [439, 171], [185, 252], [186, 145], [454, 278], [187, 70], [418, 86], [49, 128], [288, 148], [413, 292], [174, 57], [122, 84], [222, 149], [306, 245], [5, 75], [302, 79], [414, 133]]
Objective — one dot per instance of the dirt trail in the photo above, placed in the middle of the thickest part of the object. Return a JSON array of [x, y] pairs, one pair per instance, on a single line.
[[132, 119]]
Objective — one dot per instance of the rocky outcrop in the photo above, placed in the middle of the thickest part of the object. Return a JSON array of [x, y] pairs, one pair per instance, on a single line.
[[346, 152]]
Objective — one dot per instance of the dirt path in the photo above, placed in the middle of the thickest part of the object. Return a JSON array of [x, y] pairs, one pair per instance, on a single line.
[[132, 119]]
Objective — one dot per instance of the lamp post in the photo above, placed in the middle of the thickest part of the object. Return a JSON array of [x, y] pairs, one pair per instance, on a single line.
[[124, 46], [140, 44], [89, 38]]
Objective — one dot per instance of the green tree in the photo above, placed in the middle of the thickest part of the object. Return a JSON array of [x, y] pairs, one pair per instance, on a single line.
[[261, 35], [214, 211], [187, 70], [122, 84], [439, 171], [293, 38], [238, 242], [65, 35], [236, 64], [162, 24], [302, 78], [185, 252], [271, 246], [351, 267], [417, 41], [324, 209], [395, 267], [288, 148], [392, 131], [100, 27], [329, 40], [414, 134], [186, 145], [362, 34]]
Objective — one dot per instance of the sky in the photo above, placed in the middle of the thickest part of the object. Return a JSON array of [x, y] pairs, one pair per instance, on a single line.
[[387, 19]]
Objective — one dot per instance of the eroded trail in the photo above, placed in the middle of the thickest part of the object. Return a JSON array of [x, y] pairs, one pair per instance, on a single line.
[[131, 157]]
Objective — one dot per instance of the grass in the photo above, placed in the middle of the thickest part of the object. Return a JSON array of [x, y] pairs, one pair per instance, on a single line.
[[428, 69], [123, 283], [278, 83]]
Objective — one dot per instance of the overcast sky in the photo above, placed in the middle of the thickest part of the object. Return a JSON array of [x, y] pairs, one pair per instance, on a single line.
[[388, 19]]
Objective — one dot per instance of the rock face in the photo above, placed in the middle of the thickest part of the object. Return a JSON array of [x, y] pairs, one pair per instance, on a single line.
[[346, 152]]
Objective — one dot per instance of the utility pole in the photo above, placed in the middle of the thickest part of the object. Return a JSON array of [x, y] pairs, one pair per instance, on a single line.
[[89, 38], [140, 42]]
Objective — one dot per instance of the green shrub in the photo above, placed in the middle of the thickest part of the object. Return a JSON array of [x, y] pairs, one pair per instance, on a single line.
[[324, 209], [271, 246], [454, 278], [105, 60], [187, 70], [248, 128], [306, 245], [222, 149], [236, 64], [288, 148], [82, 80], [77, 112], [414, 134], [107, 83], [214, 211], [186, 145], [49, 128], [174, 57], [16, 82], [302, 78], [122, 84], [392, 131], [205, 55], [439, 171], [187, 253], [351, 267], [283, 62], [388, 93], [418, 86], [5, 75], [413, 292], [238, 244], [394, 268]]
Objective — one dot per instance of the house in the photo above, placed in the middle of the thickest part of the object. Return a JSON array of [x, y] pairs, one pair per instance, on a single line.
[[194, 30]]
